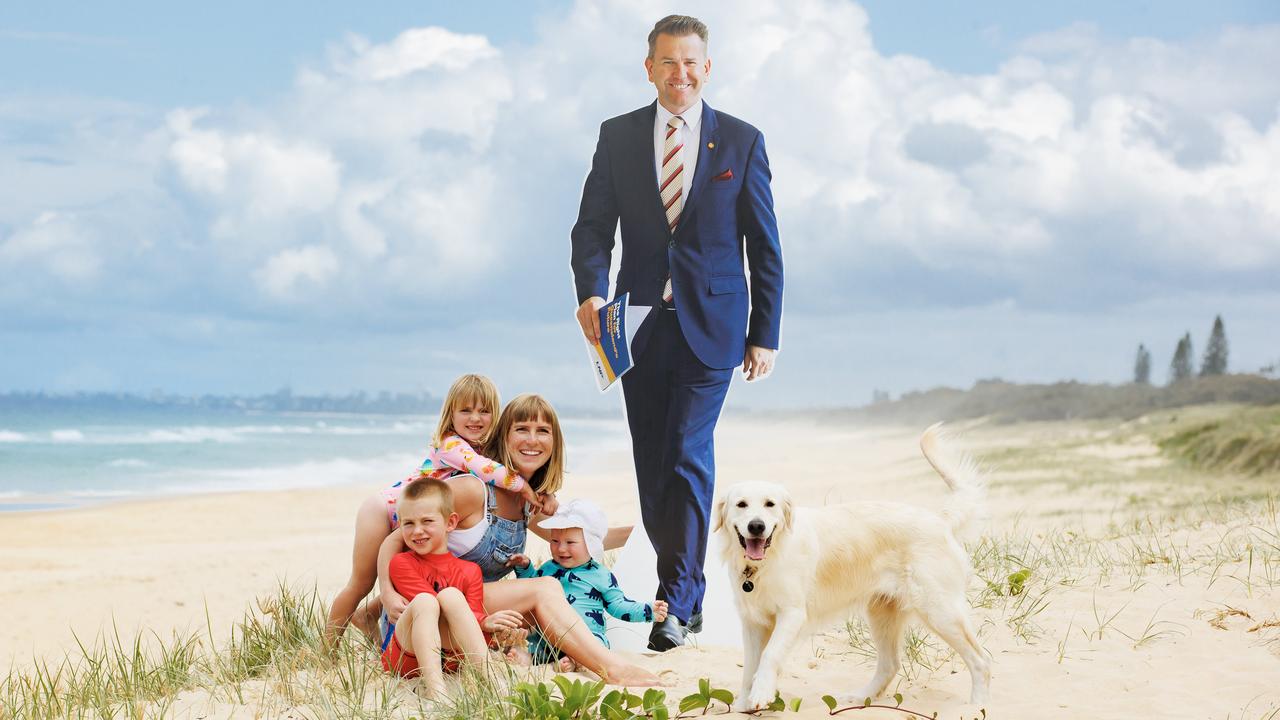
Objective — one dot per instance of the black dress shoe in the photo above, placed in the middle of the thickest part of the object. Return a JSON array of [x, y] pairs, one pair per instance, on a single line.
[[695, 623], [667, 634]]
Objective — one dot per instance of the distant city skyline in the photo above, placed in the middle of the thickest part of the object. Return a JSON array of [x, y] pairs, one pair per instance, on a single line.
[[232, 199]]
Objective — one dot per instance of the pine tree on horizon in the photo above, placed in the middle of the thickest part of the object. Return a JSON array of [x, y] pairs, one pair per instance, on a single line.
[[1215, 352], [1142, 366], [1180, 366]]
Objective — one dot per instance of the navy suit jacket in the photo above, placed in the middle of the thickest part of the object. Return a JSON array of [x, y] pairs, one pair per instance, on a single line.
[[728, 214]]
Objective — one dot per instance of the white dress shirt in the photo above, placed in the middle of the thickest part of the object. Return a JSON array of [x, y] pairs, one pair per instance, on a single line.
[[690, 133]]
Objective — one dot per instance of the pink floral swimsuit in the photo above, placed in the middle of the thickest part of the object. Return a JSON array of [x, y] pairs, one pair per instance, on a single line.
[[454, 457]]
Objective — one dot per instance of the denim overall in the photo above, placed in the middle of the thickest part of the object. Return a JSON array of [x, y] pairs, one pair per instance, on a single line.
[[503, 539]]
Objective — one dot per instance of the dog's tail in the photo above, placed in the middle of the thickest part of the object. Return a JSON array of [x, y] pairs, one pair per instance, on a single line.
[[966, 508]]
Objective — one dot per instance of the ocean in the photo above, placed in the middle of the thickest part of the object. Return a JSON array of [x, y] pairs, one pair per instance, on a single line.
[[56, 458]]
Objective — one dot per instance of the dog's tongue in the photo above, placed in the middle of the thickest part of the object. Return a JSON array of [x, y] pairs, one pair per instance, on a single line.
[[755, 548]]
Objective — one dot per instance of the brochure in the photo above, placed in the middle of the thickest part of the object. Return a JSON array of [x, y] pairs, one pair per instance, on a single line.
[[611, 357]]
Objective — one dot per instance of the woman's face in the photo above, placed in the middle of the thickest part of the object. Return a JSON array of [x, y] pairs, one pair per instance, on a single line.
[[530, 443]]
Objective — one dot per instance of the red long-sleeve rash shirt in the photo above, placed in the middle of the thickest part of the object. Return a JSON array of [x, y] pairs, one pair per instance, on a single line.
[[412, 574]]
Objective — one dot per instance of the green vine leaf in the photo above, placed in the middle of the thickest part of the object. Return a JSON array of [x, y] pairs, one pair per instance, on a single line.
[[829, 701], [722, 695], [692, 702]]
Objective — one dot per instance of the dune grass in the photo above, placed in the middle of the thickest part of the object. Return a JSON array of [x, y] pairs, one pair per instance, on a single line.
[[1246, 441], [275, 660], [1211, 520]]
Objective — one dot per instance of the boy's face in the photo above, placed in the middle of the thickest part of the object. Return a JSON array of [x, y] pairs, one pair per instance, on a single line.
[[569, 548], [425, 530]]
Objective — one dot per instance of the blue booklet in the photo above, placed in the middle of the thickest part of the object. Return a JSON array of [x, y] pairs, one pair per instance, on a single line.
[[611, 357]]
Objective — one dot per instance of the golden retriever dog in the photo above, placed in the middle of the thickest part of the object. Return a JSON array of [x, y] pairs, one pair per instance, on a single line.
[[798, 570]]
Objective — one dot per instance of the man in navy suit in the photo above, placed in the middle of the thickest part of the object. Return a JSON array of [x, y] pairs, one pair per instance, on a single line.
[[690, 187]]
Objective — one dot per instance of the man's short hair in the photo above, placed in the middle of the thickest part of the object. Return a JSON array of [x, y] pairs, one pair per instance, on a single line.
[[678, 26], [430, 489]]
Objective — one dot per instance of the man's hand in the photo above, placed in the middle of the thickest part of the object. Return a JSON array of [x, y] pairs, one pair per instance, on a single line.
[[589, 317], [659, 610], [758, 362], [394, 604], [501, 621]]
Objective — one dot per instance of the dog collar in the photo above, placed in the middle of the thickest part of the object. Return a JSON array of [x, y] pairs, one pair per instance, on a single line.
[[747, 574]]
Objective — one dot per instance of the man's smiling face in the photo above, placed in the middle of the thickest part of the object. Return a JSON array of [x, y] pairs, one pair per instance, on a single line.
[[678, 69]]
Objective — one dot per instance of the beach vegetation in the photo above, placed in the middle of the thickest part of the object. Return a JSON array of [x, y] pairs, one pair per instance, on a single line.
[[1246, 441], [1001, 402]]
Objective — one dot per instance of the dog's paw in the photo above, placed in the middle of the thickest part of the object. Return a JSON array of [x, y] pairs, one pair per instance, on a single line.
[[759, 699], [740, 705], [855, 698]]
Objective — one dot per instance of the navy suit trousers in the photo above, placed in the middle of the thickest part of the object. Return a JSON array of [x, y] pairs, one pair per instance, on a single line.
[[673, 403]]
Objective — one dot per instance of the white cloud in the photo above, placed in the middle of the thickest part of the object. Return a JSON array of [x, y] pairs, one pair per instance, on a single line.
[[283, 272], [253, 173], [412, 51], [53, 243], [199, 155]]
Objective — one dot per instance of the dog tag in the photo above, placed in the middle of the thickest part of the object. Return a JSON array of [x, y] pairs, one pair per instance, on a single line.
[[748, 586]]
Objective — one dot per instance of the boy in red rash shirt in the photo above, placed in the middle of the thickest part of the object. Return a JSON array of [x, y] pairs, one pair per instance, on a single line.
[[445, 594]]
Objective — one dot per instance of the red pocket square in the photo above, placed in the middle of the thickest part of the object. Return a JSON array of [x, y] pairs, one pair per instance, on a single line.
[[726, 175]]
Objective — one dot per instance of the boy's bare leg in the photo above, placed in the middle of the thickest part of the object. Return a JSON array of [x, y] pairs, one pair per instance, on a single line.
[[459, 628], [418, 633], [542, 603]]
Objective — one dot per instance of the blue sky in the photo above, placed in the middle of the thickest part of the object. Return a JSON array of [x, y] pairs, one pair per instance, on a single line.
[[233, 198]]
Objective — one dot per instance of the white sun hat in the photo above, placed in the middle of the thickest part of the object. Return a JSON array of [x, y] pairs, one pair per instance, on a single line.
[[581, 513]]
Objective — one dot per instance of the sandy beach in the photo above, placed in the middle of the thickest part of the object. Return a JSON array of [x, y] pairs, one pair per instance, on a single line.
[[1152, 589]]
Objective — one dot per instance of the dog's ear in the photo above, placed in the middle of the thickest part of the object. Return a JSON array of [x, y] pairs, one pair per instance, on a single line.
[[788, 511], [717, 516]]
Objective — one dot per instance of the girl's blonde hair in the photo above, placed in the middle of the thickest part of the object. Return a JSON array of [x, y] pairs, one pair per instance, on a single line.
[[550, 477], [469, 390]]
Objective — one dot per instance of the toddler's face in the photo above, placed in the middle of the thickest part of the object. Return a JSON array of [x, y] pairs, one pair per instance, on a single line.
[[569, 548], [471, 422]]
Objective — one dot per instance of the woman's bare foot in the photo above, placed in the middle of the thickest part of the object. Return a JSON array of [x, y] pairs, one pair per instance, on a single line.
[[567, 665], [630, 676], [365, 619]]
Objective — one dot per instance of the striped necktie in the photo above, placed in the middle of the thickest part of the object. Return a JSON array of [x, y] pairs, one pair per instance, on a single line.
[[672, 187]]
